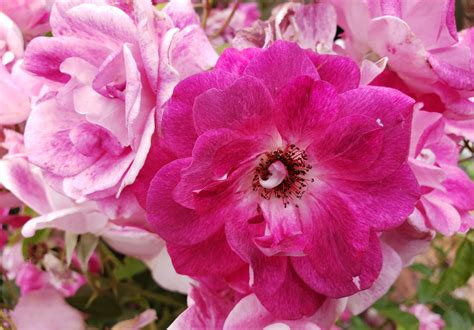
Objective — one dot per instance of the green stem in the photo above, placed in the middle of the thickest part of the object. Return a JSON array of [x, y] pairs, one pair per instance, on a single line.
[[154, 296], [108, 254], [11, 290]]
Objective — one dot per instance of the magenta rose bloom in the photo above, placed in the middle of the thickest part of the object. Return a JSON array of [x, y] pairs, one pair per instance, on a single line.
[[287, 165]]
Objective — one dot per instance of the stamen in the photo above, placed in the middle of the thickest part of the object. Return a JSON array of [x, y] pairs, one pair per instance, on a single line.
[[281, 174]]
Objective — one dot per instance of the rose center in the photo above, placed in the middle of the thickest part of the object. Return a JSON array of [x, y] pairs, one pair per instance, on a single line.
[[282, 174]]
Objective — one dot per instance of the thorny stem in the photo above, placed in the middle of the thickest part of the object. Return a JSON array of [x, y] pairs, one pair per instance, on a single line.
[[227, 21]]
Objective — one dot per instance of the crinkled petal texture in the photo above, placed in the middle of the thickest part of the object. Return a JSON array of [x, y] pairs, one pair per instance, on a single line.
[[92, 132], [287, 167]]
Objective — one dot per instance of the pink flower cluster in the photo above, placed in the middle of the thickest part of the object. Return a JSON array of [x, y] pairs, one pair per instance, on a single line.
[[279, 183]]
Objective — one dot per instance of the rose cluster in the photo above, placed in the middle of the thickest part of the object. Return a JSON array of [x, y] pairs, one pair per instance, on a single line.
[[280, 172]]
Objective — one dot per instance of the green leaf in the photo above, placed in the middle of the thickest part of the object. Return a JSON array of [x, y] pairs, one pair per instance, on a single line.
[[427, 292], [29, 211], [403, 320], [462, 269], [459, 305], [129, 268], [358, 324], [456, 321], [422, 269]]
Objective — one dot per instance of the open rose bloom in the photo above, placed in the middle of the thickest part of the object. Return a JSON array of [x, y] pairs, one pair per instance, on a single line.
[[288, 166], [202, 164]]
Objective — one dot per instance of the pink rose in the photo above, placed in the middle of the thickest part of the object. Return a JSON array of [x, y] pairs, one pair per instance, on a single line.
[[113, 68], [447, 191], [421, 46], [285, 164], [32, 16]]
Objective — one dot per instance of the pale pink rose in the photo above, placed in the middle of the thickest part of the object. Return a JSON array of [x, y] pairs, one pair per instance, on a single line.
[[11, 41], [422, 48], [26, 182], [32, 16], [46, 309], [113, 70], [447, 191], [14, 100], [127, 236]]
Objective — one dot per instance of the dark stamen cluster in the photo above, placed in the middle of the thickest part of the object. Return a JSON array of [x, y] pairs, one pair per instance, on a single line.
[[295, 183], [36, 252]]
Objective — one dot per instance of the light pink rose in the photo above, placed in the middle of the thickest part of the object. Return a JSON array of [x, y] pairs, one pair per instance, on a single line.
[[32, 16], [46, 309], [14, 98], [447, 191], [422, 48], [113, 68]]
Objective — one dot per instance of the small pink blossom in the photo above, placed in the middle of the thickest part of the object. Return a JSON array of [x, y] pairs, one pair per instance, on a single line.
[[285, 164], [428, 319], [46, 309], [30, 278]]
